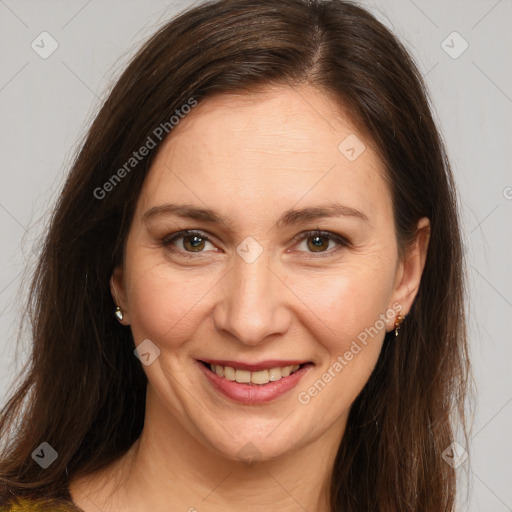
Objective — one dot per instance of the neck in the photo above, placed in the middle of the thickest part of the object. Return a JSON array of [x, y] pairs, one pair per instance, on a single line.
[[167, 466]]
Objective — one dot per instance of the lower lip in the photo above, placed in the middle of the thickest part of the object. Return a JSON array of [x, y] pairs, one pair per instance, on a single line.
[[254, 393]]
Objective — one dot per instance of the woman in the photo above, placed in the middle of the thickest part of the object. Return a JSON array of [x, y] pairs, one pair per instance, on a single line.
[[251, 291]]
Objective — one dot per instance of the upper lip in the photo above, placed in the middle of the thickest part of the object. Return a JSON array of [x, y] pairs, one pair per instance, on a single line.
[[255, 367]]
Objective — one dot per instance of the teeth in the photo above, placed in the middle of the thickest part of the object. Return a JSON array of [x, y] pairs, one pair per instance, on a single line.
[[274, 374], [260, 377], [242, 376], [229, 373]]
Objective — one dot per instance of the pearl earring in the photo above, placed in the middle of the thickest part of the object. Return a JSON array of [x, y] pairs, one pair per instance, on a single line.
[[118, 313]]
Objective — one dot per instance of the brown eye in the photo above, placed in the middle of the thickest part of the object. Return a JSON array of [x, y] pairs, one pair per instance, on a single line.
[[193, 243], [318, 243]]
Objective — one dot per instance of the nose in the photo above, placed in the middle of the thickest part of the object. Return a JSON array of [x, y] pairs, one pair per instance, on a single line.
[[253, 305]]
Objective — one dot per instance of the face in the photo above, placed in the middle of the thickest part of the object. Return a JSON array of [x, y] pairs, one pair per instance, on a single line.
[[259, 243]]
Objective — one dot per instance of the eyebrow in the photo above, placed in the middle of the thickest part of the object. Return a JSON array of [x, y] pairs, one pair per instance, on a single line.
[[290, 217]]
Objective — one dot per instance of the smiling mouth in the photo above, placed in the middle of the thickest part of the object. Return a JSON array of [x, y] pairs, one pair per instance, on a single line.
[[261, 377]]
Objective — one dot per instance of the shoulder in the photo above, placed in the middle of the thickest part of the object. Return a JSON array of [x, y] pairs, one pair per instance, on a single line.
[[39, 505]]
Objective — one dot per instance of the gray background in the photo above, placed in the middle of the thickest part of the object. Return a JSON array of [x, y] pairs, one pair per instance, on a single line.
[[47, 104]]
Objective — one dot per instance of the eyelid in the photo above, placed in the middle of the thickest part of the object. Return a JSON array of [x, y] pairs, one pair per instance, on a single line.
[[185, 232]]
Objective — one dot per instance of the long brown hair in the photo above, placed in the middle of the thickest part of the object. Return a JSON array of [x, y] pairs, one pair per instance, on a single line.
[[83, 391]]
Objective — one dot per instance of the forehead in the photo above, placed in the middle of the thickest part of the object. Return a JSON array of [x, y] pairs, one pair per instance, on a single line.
[[269, 148]]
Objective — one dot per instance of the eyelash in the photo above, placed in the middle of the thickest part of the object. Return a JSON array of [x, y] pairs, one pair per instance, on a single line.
[[340, 240]]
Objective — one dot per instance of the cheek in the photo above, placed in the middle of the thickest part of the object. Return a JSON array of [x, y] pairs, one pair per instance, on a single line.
[[348, 300], [164, 305], [352, 310]]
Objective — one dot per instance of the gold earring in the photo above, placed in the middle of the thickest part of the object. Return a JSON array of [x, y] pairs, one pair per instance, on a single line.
[[398, 323], [118, 313]]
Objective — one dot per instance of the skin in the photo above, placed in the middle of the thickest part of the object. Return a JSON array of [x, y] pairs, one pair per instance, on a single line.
[[251, 158]]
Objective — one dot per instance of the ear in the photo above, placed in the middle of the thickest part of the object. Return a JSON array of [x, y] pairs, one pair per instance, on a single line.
[[117, 290], [410, 270]]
